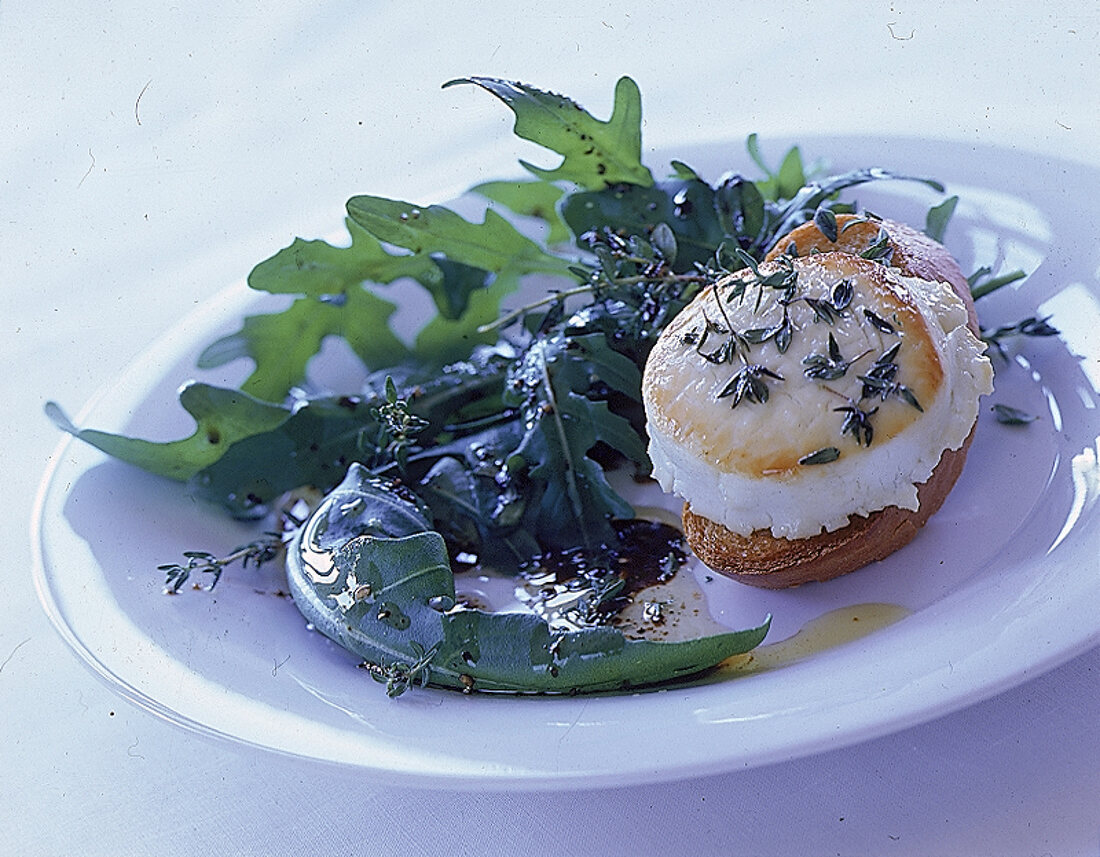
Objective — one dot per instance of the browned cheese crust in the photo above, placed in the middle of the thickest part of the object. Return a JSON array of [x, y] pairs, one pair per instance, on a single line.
[[761, 559]]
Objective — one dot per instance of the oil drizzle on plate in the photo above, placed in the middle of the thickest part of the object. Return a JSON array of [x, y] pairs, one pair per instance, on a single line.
[[833, 629]]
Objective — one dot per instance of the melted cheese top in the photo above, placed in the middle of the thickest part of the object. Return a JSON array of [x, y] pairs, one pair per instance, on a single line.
[[734, 421]]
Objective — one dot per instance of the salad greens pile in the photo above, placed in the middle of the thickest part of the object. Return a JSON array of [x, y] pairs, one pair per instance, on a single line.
[[490, 434]]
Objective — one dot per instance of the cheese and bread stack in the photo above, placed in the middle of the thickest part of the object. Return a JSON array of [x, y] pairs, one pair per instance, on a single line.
[[813, 411]]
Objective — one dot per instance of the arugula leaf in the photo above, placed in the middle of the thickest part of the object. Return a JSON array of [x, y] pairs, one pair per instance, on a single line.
[[935, 223], [562, 426], [368, 572], [537, 199], [336, 302], [686, 206], [493, 245], [481, 509], [223, 417], [282, 344], [319, 269], [595, 153], [313, 446], [784, 183]]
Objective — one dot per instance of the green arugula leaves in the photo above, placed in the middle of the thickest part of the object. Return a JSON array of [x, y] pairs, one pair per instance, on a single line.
[[463, 265], [223, 419], [595, 154]]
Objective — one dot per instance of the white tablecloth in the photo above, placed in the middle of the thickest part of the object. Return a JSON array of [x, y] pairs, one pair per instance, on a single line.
[[152, 152]]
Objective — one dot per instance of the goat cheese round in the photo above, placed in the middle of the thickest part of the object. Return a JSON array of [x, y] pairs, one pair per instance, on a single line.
[[796, 395]]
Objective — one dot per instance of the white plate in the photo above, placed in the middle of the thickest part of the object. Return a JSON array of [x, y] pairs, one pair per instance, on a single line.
[[1002, 584]]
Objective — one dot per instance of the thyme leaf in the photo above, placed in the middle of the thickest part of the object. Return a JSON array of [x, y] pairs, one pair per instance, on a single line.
[[1010, 416], [749, 383], [821, 456], [1030, 326], [878, 321], [857, 422], [825, 221], [826, 367], [880, 248]]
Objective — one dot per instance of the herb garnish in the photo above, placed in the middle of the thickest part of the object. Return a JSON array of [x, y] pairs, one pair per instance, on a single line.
[[857, 423], [1010, 416], [879, 381], [256, 553], [827, 367], [821, 456], [749, 384], [878, 321], [1030, 326]]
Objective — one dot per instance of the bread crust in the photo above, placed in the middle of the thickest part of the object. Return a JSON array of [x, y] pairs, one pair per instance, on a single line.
[[763, 560]]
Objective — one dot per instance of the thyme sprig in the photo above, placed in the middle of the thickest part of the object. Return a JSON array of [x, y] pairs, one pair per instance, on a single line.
[[256, 553], [783, 279], [400, 676], [1030, 326], [857, 423], [830, 366], [398, 426], [749, 383], [782, 333], [879, 381]]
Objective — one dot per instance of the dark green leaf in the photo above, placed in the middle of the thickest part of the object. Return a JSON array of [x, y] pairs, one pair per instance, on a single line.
[[223, 417], [1009, 416], [314, 445], [741, 210], [595, 153], [532, 199], [351, 578], [935, 224], [686, 207]]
